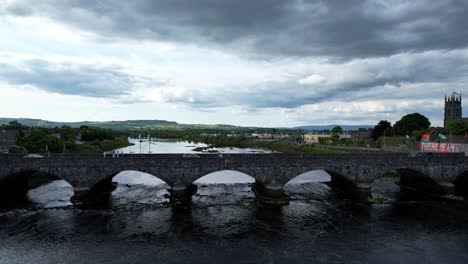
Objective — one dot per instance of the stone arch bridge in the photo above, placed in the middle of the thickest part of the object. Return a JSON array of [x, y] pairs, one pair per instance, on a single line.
[[271, 171]]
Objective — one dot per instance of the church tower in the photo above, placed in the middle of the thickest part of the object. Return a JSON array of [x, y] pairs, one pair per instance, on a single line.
[[453, 108]]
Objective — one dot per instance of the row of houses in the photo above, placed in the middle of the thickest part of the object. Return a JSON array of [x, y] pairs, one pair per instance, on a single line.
[[314, 138], [251, 135], [360, 134]]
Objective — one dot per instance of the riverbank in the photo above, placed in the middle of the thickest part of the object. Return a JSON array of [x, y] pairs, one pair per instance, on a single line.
[[101, 146], [289, 147], [274, 146]]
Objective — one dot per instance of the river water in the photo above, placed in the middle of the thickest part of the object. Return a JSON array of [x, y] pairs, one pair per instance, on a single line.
[[316, 227], [225, 225], [174, 146]]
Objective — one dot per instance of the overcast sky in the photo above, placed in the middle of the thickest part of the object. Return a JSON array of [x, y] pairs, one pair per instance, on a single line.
[[252, 62]]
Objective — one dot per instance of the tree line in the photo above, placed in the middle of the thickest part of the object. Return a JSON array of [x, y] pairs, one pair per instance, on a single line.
[[65, 139]]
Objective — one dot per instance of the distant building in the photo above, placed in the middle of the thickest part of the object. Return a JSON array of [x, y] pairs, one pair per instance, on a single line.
[[363, 134], [314, 138], [8, 137], [453, 108]]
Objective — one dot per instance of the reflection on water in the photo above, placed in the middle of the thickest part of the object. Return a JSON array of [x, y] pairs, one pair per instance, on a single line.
[[386, 189], [52, 194], [139, 187], [224, 187], [312, 231], [165, 146], [316, 227], [161, 146], [309, 185]]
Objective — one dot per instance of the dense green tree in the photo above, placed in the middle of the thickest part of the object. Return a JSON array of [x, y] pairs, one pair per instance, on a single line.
[[337, 130], [15, 125], [380, 128], [34, 140], [417, 134], [18, 149], [409, 123], [68, 133], [457, 127], [39, 140], [95, 133]]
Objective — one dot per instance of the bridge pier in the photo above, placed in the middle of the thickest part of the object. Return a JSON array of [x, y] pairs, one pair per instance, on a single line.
[[82, 196], [270, 194], [181, 195], [363, 193]]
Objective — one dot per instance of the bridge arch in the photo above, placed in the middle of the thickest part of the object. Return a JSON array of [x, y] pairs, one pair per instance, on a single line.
[[225, 186], [313, 183], [14, 188], [408, 180], [461, 184], [119, 184], [335, 178], [417, 181], [317, 175], [225, 177]]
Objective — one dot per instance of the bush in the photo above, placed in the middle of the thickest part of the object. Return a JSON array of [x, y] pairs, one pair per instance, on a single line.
[[18, 149]]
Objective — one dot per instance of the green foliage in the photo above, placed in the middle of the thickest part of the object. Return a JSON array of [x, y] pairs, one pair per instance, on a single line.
[[391, 141], [39, 140], [15, 125], [409, 123], [315, 149], [380, 128], [288, 147], [67, 133], [18, 149], [417, 135], [337, 130], [99, 146], [95, 133], [130, 125], [457, 127]]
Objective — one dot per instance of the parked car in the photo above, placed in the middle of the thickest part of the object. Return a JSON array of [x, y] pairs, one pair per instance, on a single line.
[[33, 156]]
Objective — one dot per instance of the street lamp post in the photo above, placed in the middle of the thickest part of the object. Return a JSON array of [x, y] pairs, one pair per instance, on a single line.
[[149, 143], [139, 136]]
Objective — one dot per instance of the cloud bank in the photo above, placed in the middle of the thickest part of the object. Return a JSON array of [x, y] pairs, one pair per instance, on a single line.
[[253, 55]]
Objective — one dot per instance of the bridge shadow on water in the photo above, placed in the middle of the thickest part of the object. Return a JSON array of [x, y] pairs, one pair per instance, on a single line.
[[15, 189]]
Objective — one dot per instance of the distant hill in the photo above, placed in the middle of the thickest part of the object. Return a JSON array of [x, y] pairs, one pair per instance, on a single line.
[[330, 127], [123, 125], [159, 125]]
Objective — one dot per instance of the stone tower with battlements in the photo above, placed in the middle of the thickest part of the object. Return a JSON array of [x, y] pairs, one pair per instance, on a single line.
[[453, 108]]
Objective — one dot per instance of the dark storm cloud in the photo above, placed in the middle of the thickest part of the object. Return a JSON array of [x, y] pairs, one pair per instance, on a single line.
[[72, 78], [271, 28], [425, 75]]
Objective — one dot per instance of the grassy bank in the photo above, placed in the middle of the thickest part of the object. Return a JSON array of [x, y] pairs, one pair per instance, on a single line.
[[288, 147], [99, 146], [282, 146]]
